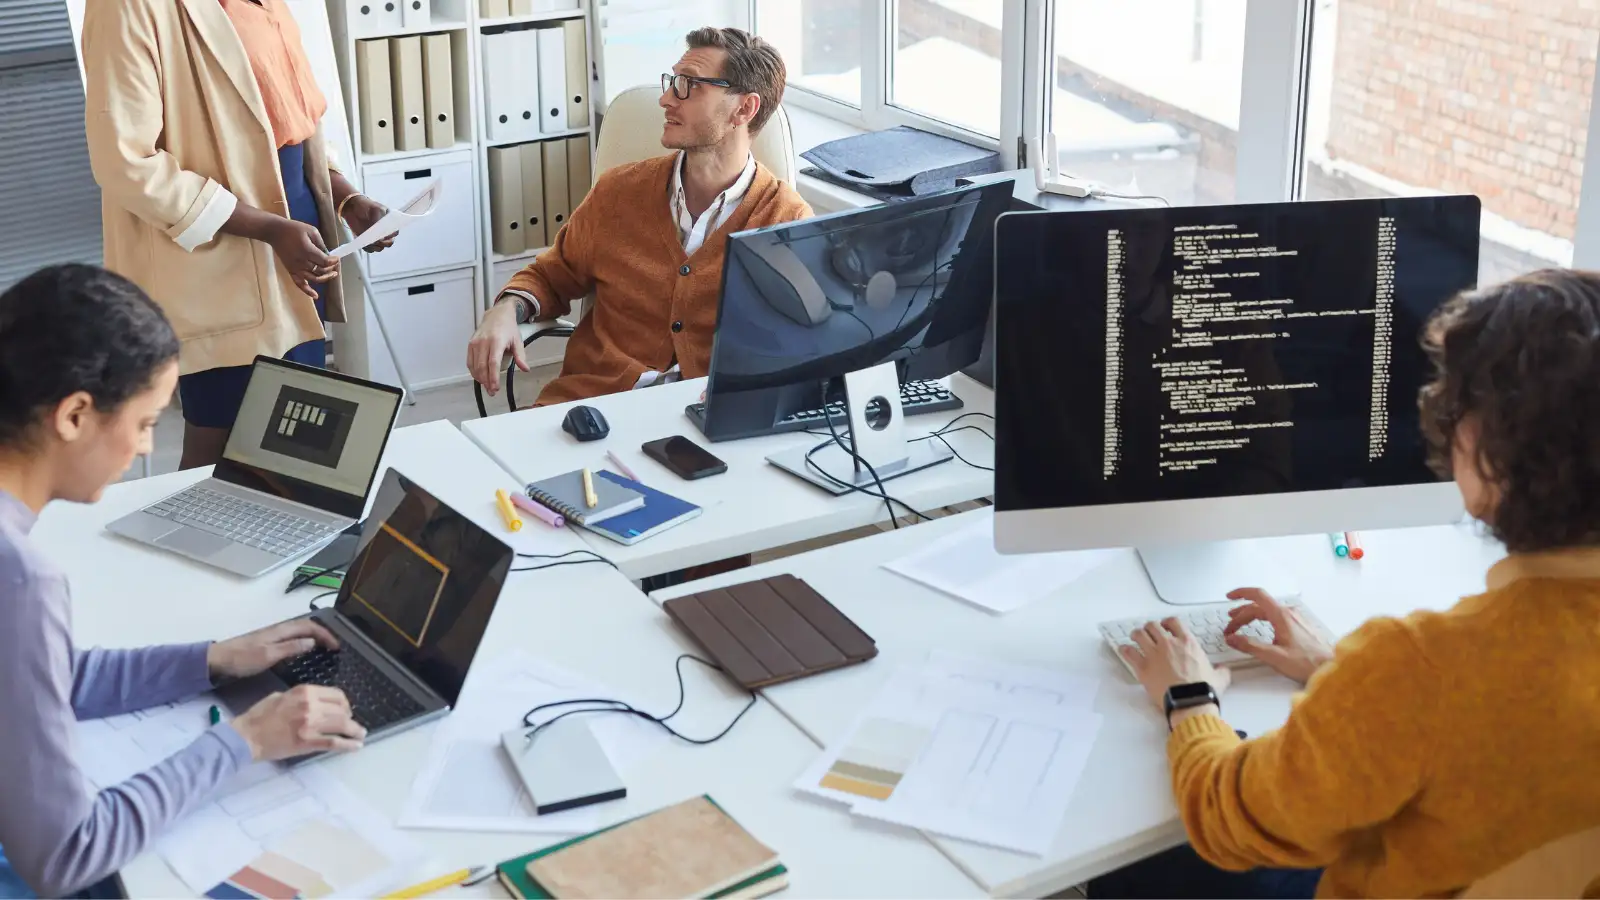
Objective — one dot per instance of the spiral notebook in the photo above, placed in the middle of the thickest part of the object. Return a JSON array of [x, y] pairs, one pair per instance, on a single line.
[[564, 494]]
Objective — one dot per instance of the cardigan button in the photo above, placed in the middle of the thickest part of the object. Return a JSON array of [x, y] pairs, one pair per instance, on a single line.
[[684, 270], [677, 327]]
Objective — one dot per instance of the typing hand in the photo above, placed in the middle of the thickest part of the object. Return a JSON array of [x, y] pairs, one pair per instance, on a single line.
[[306, 719], [495, 336], [258, 651], [1296, 651], [1164, 655]]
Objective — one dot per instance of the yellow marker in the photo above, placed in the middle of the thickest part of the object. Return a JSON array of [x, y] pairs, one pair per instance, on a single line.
[[588, 490], [428, 887], [503, 500]]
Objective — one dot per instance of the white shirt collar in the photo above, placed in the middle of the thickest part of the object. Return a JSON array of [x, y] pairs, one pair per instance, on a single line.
[[692, 231]]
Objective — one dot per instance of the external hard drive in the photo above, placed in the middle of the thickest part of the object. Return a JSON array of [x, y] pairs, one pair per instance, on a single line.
[[562, 766]]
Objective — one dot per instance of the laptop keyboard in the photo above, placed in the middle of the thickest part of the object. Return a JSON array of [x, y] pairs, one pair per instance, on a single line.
[[242, 521], [375, 700]]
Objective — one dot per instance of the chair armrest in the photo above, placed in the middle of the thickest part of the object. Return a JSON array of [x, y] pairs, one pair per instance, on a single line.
[[530, 329]]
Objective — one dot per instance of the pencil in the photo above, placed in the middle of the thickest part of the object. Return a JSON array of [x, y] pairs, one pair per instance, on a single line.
[[622, 467], [588, 490]]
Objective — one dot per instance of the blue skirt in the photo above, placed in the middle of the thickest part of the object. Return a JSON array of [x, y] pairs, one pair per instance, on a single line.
[[211, 398]]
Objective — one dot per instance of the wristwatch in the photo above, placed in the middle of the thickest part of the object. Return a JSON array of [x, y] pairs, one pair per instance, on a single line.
[[1188, 696]]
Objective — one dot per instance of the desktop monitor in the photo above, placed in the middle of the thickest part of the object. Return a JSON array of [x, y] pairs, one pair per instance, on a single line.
[[805, 303], [1169, 379]]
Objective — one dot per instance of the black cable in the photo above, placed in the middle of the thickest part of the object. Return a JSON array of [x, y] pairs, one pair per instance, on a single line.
[[618, 706], [562, 559], [913, 301], [882, 494], [314, 606]]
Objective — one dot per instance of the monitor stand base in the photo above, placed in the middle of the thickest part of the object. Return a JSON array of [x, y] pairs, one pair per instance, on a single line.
[[1194, 574], [837, 463]]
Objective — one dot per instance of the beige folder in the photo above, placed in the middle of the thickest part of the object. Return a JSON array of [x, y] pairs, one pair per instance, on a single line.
[[533, 230], [522, 7], [577, 74], [439, 92], [377, 103], [578, 171], [557, 203], [405, 72], [494, 9], [505, 200]]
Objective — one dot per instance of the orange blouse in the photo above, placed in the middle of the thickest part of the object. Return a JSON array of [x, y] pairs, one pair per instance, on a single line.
[[272, 41]]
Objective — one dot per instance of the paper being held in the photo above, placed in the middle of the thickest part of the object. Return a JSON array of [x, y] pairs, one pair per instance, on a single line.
[[423, 204]]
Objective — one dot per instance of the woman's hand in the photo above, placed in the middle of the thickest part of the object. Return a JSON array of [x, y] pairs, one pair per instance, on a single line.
[[1296, 650], [302, 252], [1166, 655], [306, 719], [258, 651], [362, 212]]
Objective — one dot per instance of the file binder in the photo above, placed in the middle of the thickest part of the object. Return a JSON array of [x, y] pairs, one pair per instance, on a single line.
[[439, 98], [494, 9], [533, 229], [405, 71], [526, 86], [556, 198], [552, 80], [375, 16], [577, 51], [500, 86], [522, 8], [505, 200], [416, 13], [578, 171], [377, 104]]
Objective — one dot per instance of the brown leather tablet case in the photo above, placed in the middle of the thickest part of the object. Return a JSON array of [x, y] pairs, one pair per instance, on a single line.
[[771, 631]]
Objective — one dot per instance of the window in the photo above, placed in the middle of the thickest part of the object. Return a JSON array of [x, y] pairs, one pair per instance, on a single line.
[[946, 61], [821, 44], [1488, 98], [1144, 95]]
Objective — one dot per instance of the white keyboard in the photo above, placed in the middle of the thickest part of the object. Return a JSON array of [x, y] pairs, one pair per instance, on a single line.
[[1206, 624]]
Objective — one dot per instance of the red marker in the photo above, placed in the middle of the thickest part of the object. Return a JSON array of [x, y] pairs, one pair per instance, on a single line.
[[1354, 540]]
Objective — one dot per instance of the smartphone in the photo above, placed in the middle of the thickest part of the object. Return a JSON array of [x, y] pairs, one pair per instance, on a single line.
[[684, 457]]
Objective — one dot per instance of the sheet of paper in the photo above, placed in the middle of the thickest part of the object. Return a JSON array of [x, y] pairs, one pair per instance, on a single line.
[[467, 783], [965, 565], [397, 219]]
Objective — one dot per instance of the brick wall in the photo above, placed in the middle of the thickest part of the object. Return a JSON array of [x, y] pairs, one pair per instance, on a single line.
[[1489, 97]]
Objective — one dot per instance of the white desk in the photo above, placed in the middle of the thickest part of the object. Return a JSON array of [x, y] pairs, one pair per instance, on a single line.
[[1122, 810], [754, 506], [586, 618]]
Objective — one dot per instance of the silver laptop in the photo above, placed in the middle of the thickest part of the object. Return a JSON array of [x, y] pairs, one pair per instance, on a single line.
[[297, 470], [411, 613]]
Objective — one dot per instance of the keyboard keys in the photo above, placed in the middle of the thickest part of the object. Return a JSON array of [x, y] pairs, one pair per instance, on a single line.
[[242, 521], [375, 700]]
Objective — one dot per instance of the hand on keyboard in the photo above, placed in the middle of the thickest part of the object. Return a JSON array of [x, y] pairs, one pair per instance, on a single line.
[[259, 651], [1297, 650], [302, 720], [1164, 655]]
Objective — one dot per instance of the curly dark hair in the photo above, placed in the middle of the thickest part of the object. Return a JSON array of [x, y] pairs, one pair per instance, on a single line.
[[1522, 361], [72, 328]]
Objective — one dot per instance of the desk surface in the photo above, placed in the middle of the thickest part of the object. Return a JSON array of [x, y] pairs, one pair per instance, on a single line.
[[586, 618], [1122, 809], [753, 507]]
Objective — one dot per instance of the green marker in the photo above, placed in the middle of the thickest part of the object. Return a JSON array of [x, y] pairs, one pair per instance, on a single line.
[[216, 715]]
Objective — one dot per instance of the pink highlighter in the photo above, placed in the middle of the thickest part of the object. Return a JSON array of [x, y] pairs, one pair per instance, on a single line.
[[548, 516]]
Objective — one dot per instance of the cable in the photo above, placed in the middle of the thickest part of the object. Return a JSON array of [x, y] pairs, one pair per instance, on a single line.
[[314, 606], [882, 494], [590, 557], [1101, 194], [618, 706]]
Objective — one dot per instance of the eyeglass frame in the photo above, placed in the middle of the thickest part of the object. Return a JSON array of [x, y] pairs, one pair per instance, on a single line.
[[669, 79]]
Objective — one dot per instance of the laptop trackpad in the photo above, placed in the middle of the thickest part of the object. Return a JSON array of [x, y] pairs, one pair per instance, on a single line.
[[193, 542]]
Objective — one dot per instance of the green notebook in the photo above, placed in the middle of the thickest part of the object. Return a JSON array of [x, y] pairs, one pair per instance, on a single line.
[[513, 873]]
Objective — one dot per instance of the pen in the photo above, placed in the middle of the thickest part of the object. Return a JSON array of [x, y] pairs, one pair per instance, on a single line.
[[622, 468], [1353, 540], [1340, 548], [216, 715], [588, 490], [544, 514], [443, 881], [503, 500]]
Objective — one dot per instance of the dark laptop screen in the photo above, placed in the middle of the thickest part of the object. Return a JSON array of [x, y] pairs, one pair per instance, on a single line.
[[424, 583]]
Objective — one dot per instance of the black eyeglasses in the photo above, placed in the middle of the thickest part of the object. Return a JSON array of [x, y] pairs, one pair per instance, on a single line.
[[680, 85]]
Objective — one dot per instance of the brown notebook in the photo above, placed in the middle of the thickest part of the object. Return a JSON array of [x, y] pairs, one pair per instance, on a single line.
[[771, 631], [692, 849]]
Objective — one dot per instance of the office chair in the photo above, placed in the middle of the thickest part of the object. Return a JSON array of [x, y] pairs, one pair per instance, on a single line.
[[630, 132], [1568, 867]]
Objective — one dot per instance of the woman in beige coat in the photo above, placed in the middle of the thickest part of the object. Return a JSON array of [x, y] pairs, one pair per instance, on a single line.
[[218, 197]]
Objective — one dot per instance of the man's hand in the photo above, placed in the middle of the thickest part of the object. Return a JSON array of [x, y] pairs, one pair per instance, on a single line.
[[362, 212], [306, 719], [1166, 655], [497, 334], [258, 651], [1296, 651]]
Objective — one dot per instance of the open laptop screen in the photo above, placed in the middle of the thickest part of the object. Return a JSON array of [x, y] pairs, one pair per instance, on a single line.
[[424, 583], [309, 435]]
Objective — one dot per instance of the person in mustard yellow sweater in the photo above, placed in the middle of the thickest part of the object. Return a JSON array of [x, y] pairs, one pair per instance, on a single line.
[[650, 237], [1428, 751]]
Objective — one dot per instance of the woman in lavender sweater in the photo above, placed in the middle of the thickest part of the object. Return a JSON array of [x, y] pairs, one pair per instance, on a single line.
[[87, 363]]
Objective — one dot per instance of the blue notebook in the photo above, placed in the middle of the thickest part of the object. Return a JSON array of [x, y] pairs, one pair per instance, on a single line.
[[660, 512]]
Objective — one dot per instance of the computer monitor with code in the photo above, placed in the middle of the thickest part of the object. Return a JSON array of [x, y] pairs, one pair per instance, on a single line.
[[1172, 378]]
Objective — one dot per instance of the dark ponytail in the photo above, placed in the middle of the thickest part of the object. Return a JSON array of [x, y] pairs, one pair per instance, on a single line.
[[72, 328]]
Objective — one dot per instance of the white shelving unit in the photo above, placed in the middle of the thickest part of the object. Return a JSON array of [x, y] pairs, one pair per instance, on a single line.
[[435, 283]]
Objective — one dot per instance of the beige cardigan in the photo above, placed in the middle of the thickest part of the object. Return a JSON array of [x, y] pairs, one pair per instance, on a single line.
[[178, 136]]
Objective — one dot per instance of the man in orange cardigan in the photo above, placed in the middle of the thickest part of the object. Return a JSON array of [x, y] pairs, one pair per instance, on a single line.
[[650, 237]]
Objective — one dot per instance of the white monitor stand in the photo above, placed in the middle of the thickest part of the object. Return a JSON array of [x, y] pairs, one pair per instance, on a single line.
[[876, 433], [1195, 574]]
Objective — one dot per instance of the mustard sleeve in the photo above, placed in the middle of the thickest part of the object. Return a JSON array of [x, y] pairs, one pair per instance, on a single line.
[[1353, 753]]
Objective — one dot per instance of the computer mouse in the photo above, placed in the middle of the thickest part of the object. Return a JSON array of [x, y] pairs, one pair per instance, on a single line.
[[585, 423]]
